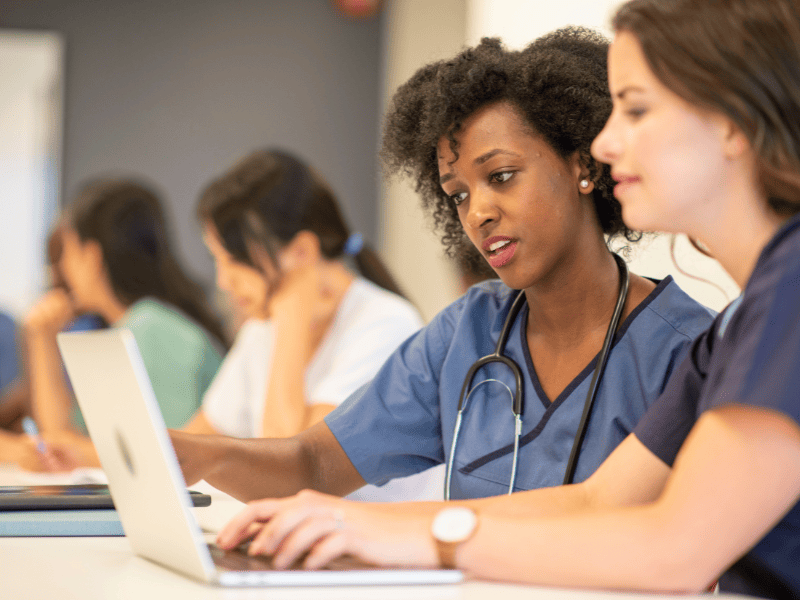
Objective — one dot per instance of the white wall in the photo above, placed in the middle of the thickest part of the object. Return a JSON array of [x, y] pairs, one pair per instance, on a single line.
[[175, 92], [417, 32], [30, 160], [518, 22]]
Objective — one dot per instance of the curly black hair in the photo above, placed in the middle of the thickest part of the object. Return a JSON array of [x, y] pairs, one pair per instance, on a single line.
[[559, 86]]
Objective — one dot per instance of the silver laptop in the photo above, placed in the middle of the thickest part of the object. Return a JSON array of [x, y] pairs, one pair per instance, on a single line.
[[147, 486]]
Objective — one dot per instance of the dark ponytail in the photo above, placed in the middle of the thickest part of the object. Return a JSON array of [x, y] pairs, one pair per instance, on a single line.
[[370, 266], [127, 220], [268, 198]]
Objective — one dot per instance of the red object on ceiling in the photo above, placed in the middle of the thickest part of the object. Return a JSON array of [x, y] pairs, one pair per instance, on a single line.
[[359, 9]]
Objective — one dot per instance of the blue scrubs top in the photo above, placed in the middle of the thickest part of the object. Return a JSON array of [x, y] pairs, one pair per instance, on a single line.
[[402, 422], [750, 356]]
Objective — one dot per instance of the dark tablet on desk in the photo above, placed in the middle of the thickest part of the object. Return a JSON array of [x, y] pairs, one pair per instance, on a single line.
[[61, 497]]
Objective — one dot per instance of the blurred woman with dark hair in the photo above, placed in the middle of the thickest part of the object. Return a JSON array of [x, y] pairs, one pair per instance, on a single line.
[[15, 403], [116, 262], [315, 332]]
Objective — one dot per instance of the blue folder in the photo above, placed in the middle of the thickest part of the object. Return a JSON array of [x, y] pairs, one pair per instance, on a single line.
[[59, 523], [63, 510]]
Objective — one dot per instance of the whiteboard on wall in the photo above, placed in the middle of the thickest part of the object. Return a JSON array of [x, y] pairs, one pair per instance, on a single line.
[[517, 23], [31, 101]]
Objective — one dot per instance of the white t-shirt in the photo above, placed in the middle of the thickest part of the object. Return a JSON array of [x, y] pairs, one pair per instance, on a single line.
[[369, 325]]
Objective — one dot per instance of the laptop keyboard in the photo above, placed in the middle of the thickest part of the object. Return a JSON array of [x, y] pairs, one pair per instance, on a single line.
[[238, 560]]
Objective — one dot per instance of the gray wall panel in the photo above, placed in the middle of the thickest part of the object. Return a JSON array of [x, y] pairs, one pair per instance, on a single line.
[[177, 90]]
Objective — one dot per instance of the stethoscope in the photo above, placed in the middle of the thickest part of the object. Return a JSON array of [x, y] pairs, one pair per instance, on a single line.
[[516, 406]]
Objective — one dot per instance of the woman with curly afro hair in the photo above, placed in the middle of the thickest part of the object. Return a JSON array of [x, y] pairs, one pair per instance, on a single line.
[[498, 143]]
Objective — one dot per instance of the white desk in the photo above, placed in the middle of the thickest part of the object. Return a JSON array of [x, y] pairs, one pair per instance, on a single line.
[[103, 568]]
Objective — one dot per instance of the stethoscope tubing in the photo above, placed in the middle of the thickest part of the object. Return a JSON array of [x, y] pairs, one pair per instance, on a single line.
[[602, 359], [517, 396], [457, 430]]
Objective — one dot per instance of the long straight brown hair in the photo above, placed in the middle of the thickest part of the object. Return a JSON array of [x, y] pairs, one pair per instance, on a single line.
[[740, 58], [126, 218]]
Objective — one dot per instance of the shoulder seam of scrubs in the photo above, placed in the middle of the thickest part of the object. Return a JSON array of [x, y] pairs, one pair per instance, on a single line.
[[786, 229], [655, 293]]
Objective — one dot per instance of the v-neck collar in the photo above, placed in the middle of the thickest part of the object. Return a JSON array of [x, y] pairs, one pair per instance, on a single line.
[[589, 368]]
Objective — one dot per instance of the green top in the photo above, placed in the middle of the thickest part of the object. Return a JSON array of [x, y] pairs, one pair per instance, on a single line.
[[180, 356]]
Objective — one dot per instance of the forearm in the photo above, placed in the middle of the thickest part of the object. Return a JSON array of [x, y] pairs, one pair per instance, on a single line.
[[539, 503], [286, 412], [630, 476], [547, 502], [247, 469], [633, 548], [610, 531], [250, 469], [50, 397], [14, 405], [736, 475]]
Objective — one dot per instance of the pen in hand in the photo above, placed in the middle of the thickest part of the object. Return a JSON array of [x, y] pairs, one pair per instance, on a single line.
[[29, 425], [54, 458]]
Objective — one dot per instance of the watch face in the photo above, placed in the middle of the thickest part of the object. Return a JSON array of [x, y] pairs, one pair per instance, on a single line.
[[454, 524]]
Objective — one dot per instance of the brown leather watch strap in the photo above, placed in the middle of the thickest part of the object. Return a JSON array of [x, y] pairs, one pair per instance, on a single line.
[[447, 553]]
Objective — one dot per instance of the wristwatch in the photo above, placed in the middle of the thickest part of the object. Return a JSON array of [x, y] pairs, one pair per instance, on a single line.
[[451, 527]]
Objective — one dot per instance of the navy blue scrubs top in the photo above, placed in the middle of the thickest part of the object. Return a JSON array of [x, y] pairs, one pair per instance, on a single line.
[[750, 356], [402, 422]]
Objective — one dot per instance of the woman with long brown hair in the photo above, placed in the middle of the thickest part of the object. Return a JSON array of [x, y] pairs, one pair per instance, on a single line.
[[116, 261]]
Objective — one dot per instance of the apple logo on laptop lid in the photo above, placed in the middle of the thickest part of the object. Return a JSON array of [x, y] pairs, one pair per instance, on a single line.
[[126, 455]]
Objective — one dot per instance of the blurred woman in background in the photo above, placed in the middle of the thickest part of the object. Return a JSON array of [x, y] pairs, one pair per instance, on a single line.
[[315, 331], [117, 263], [15, 403]]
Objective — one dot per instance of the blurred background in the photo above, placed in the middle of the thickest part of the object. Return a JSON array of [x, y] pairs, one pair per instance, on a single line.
[[176, 90]]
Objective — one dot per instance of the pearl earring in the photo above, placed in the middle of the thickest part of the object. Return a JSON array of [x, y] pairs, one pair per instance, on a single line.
[[584, 183]]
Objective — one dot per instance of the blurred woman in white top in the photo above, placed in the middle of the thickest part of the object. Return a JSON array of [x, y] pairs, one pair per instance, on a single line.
[[315, 332]]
